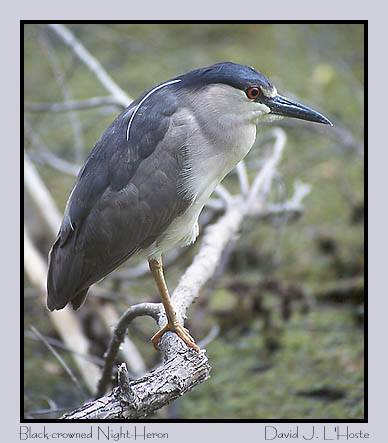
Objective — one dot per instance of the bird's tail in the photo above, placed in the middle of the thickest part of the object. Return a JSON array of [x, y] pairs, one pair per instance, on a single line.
[[63, 279]]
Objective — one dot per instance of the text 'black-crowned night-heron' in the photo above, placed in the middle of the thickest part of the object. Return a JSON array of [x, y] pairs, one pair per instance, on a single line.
[[145, 182]]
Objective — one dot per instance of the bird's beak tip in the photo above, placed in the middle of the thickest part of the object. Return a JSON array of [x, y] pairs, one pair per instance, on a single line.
[[319, 118], [325, 121]]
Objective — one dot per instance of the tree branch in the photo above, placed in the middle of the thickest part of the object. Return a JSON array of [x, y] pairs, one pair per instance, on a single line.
[[40, 195], [67, 95], [242, 177], [132, 400], [92, 63], [61, 361], [151, 309], [94, 102], [44, 154]]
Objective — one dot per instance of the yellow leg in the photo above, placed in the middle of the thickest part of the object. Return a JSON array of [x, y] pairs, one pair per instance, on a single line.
[[156, 268]]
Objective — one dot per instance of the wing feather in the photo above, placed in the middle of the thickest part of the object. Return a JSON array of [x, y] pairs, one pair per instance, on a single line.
[[125, 196]]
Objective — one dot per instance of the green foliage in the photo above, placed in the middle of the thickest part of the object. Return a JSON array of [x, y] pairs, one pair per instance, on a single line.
[[319, 350]]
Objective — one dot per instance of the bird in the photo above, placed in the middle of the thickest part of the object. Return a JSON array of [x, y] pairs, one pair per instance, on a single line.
[[145, 182]]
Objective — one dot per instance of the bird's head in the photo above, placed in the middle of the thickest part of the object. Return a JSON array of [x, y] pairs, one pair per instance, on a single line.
[[245, 91]]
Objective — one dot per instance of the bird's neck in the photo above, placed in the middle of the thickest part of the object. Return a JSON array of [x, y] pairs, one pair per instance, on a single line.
[[212, 151]]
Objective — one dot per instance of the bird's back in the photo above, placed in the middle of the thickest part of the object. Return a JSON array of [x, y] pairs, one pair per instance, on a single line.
[[126, 195]]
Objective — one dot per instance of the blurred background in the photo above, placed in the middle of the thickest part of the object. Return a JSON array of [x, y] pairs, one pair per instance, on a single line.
[[283, 317]]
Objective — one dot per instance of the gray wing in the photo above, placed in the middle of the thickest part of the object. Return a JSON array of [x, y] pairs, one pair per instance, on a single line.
[[125, 196]]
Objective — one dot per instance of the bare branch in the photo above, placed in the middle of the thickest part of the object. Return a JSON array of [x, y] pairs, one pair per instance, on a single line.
[[214, 331], [66, 91], [58, 344], [223, 194], [92, 63], [172, 347], [132, 400], [55, 162], [215, 203], [293, 206], [79, 105], [128, 350], [214, 241], [44, 154], [61, 361], [242, 177], [151, 309], [40, 195], [262, 183]]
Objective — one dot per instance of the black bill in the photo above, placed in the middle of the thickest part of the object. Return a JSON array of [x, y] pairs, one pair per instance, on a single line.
[[283, 106]]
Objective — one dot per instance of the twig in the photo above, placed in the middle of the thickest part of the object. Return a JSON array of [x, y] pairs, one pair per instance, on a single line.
[[40, 195], [61, 361], [347, 141], [55, 162], [214, 331], [150, 309], [223, 194], [242, 177], [44, 154], [58, 344], [293, 206], [94, 102], [91, 62], [40, 412], [66, 91], [215, 203], [263, 180]]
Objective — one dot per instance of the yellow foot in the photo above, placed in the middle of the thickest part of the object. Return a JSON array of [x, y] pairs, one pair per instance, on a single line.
[[180, 330]]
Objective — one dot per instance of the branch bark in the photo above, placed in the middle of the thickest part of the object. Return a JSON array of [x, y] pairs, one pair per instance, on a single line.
[[132, 400], [118, 336]]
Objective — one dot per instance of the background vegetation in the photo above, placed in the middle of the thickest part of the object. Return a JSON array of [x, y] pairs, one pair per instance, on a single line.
[[289, 303]]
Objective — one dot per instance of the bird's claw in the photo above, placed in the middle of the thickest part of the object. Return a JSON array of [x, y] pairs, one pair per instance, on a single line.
[[180, 330]]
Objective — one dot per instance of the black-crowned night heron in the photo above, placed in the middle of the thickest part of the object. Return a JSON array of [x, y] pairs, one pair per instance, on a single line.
[[145, 182]]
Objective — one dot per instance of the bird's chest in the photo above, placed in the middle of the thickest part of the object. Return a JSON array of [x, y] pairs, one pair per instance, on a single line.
[[204, 172], [210, 162], [209, 157]]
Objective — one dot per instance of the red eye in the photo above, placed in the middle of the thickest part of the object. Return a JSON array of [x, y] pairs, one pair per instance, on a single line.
[[253, 93]]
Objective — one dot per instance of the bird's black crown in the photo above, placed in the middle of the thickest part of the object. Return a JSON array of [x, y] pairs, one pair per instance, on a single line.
[[233, 74]]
